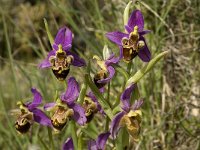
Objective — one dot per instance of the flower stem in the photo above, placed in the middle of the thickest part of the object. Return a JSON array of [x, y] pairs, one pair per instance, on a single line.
[[122, 141], [74, 135], [129, 67], [51, 138]]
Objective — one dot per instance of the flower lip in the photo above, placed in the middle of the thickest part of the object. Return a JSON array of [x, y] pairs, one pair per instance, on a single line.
[[24, 122], [102, 74], [132, 122], [90, 108], [60, 117], [61, 63]]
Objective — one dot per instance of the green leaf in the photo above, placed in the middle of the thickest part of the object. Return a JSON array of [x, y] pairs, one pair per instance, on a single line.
[[48, 32], [126, 13], [140, 73], [122, 71], [82, 93], [104, 104]]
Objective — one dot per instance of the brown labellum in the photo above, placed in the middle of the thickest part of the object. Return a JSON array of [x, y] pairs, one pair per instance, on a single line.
[[61, 64], [99, 76], [23, 123], [129, 54], [61, 74], [60, 117], [90, 108]]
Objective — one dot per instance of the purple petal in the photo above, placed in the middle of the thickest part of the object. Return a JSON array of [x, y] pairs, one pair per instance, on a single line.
[[68, 145], [128, 29], [45, 63], [111, 71], [101, 140], [41, 118], [115, 124], [144, 32], [64, 37], [79, 114], [144, 53], [48, 106], [66, 48], [79, 62], [72, 91], [136, 19], [137, 104], [116, 37], [37, 99], [112, 60], [125, 97], [92, 145]]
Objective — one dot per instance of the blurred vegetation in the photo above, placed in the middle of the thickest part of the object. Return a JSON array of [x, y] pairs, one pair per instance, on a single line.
[[171, 90]]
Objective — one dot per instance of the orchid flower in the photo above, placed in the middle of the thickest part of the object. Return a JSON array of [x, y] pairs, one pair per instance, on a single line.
[[132, 43], [65, 107], [99, 144], [29, 113], [92, 106], [60, 57], [129, 117], [106, 72]]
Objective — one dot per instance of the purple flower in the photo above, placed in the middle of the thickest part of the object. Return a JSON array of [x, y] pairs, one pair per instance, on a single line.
[[60, 58], [65, 107], [129, 117], [92, 106], [99, 144], [132, 43], [106, 72], [68, 145], [30, 114]]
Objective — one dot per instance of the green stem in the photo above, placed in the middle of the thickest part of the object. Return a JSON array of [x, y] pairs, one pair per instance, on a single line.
[[107, 124], [51, 138], [80, 141], [129, 68], [108, 96], [73, 134], [43, 143], [51, 40], [122, 71], [126, 75], [122, 141], [82, 93]]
